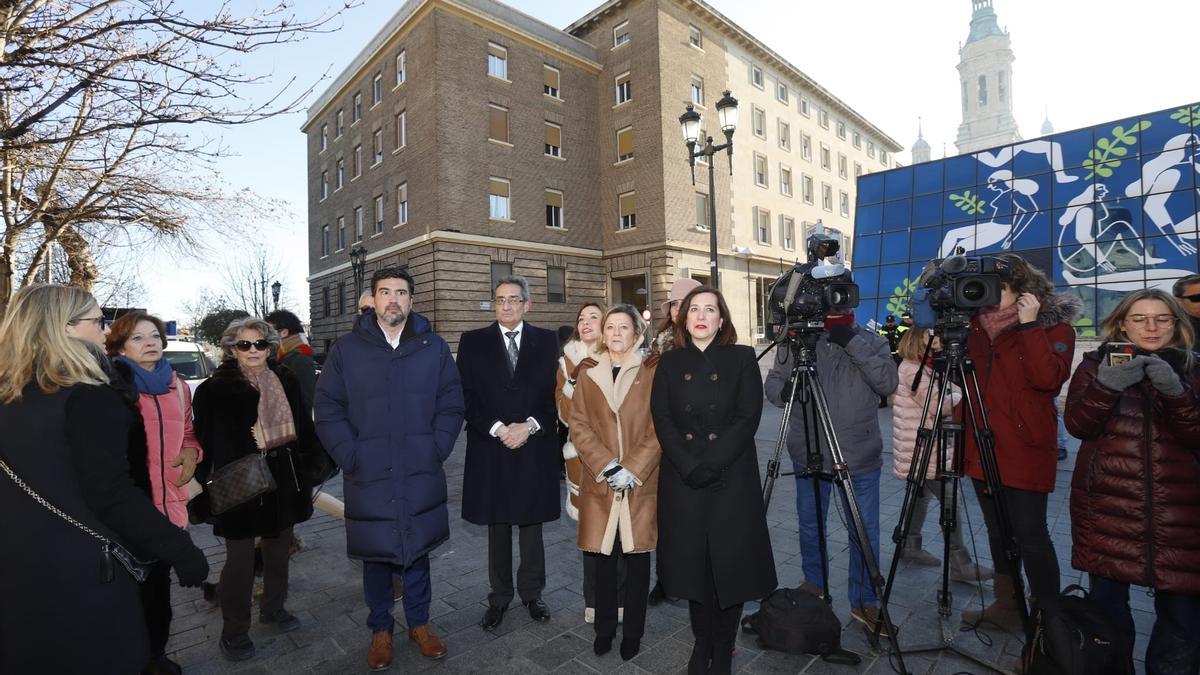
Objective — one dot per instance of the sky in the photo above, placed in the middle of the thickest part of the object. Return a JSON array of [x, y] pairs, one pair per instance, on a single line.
[[1079, 62]]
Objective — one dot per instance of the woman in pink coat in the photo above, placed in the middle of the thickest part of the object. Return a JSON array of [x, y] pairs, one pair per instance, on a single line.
[[906, 419], [162, 452]]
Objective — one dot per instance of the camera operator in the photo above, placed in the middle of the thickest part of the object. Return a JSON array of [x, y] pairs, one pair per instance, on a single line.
[[1022, 349], [1135, 494], [855, 368]]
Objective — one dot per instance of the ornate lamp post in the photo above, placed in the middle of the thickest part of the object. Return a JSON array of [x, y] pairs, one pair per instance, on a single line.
[[275, 287], [690, 121], [358, 263]]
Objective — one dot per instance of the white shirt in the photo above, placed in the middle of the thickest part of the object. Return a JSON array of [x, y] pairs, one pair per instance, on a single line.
[[534, 425], [394, 343]]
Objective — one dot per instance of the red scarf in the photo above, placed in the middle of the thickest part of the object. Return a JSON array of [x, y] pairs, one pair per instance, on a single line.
[[996, 321]]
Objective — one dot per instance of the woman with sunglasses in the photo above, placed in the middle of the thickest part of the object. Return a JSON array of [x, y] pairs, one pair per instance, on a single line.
[[252, 404], [1135, 493]]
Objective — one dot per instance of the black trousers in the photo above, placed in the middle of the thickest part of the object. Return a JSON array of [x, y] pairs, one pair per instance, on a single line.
[[1027, 517], [156, 606], [531, 574], [609, 594], [714, 628], [237, 580]]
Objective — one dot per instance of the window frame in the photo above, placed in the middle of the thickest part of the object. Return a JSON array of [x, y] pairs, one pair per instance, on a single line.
[[804, 107], [356, 108], [550, 150], [401, 130], [561, 213], [551, 272], [844, 203], [621, 38], [696, 90], [340, 170], [493, 200], [856, 139], [840, 126], [326, 240], [826, 157], [341, 234], [622, 88], [324, 185], [843, 170], [807, 189], [377, 89], [507, 124], [757, 77], [805, 146], [324, 136], [788, 184], [557, 91], [787, 232], [757, 114], [761, 179], [702, 206], [762, 226], [377, 147], [781, 87], [632, 150], [339, 123], [784, 130], [359, 225], [501, 71], [622, 224], [402, 204], [823, 118], [401, 68], [827, 197], [379, 214], [356, 162], [695, 36]]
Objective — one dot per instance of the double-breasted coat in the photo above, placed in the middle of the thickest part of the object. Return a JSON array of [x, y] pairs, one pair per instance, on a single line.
[[706, 407]]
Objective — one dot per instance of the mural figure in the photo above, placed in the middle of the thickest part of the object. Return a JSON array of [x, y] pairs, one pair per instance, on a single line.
[[1024, 205], [1051, 150], [1160, 176], [1093, 240]]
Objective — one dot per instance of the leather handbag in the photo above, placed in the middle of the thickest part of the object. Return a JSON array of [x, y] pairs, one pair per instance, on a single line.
[[238, 482]]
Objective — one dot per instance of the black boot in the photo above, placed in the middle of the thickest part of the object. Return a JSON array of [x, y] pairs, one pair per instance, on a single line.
[[722, 659], [702, 652]]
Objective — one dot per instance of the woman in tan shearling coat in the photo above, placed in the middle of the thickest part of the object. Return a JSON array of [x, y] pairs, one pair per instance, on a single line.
[[613, 434]]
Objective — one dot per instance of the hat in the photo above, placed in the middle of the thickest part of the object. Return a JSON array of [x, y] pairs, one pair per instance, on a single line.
[[679, 291], [906, 315], [889, 317]]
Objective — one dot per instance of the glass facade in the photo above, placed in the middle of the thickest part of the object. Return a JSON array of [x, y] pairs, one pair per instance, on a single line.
[[1102, 211]]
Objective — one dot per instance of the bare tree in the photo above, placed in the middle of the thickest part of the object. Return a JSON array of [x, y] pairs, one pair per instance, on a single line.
[[95, 98], [248, 278]]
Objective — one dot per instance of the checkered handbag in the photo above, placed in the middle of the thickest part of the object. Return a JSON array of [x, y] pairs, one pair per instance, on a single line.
[[238, 482]]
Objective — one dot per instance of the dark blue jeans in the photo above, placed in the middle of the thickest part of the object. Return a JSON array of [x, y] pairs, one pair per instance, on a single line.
[[1172, 647], [377, 587], [860, 590]]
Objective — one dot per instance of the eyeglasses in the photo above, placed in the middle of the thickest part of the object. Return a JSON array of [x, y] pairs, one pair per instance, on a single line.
[[510, 300], [98, 319], [1143, 319], [1190, 298], [245, 345]]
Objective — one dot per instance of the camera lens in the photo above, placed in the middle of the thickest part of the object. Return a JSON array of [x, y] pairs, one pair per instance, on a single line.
[[974, 290]]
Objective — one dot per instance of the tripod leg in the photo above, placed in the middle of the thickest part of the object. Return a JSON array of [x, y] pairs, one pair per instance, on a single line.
[[773, 464]]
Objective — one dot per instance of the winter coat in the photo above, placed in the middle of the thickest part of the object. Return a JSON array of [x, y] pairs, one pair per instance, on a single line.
[[1020, 374], [853, 377], [300, 361], [389, 418], [56, 613], [611, 420], [226, 408], [502, 486], [706, 407], [906, 417], [1135, 493], [166, 428], [574, 352]]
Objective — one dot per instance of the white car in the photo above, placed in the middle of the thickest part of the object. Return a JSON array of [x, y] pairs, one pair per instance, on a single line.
[[190, 361]]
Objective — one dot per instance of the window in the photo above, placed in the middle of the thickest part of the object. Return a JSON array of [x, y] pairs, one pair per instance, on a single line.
[[841, 165], [620, 34], [625, 144], [324, 240], [325, 300], [497, 61], [805, 147], [627, 210], [756, 76], [554, 208], [500, 270], [377, 146], [785, 135], [497, 123], [841, 130], [624, 92], [702, 210], [758, 120], [324, 184], [401, 68], [982, 91], [324, 137], [697, 90], [857, 169], [556, 284], [553, 140], [358, 223], [785, 180], [498, 196], [551, 79], [357, 107], [402, 204], [883, 157], [341, 291], [826, 163], [1002, 86], [762, 225], [806, 189], [340, 126], [844, 203], [695, 37], [857, 139], [823, 118], [378, 214], [804, 107], [760, 170], [377, 89], [341, 232], [787, 232], [357, 165], [827, 196], [781, 91], [341, 174], [964, 97], [401, 129], [870, 148]]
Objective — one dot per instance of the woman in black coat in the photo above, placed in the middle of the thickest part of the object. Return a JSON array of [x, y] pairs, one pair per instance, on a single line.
[[64, 434], [241, 410], [713, 545]]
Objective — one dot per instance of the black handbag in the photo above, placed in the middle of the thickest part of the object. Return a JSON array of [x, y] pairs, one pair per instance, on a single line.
[[797, 622], [1074, 636], [238, 482], [109, 549]]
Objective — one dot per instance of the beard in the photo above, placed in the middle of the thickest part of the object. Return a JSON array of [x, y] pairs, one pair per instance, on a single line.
[[393, 316]]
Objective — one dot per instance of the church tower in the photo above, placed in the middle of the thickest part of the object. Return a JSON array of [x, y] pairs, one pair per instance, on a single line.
[[985, 82], [921, 152]]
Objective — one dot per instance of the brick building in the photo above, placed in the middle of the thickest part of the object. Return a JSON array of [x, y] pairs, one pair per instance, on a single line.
[[468, 140]]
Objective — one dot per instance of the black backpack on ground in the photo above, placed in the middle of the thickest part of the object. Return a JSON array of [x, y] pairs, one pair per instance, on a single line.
[[797, 622], [1075, 637]]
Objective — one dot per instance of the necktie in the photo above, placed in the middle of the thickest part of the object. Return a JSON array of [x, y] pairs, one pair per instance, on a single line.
[[512, 350]]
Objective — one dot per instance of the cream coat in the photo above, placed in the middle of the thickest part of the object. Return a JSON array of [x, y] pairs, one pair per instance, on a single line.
[[906, 418], [611, 420], [573, 352]]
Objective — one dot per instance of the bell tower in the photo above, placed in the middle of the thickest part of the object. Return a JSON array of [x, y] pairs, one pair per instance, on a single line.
[[985, 83]]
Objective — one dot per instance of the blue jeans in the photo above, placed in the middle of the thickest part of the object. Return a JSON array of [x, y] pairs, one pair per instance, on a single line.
[[1172, 647], [866, 492], [1062, 430], [377, 587]]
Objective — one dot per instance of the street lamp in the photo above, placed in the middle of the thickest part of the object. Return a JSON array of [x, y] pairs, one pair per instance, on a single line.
[[275, 294], [690, 122], [358, 263]]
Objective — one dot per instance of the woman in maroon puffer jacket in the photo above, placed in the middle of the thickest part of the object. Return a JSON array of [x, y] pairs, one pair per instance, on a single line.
[[1135, 495]]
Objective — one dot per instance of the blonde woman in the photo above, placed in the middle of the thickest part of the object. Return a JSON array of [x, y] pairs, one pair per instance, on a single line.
[[618, 502], [66, 607]]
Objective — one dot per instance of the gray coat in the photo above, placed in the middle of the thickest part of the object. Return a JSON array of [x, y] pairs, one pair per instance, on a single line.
[[853, 379]]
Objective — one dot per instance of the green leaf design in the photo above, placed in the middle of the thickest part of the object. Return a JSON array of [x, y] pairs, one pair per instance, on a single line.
[[1103, 142], [1120, 151], [900, 295], [1105, 171], [1103, 158], [1187, 117], [969, 203]]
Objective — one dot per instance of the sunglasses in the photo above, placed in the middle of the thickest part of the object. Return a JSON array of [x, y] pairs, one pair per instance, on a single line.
[[1191, 298], [245, 345]]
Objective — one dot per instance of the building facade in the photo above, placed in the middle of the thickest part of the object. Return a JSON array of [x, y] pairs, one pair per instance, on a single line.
[[468, 140], [985, 83]]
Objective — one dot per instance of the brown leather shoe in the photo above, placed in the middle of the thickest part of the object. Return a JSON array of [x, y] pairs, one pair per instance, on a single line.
[[428, 642], [379, 657]]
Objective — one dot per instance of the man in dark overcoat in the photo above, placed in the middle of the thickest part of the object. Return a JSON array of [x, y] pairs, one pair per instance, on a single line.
[[389, 408], [512, 465]]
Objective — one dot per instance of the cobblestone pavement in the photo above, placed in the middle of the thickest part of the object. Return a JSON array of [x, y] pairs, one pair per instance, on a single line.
[[326, 595]]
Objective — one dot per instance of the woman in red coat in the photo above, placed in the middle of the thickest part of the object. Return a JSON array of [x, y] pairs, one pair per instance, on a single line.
[[1022, 350], [1135, 495]]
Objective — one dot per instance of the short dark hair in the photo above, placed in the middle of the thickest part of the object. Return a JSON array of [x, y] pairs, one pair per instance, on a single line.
[[120, 330], [1026, 278], [282, 319], [726, 335], [393, 272], [1177, 289]]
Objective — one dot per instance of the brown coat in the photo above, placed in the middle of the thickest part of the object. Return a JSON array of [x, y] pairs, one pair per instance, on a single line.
[[611, 420], [574, 352]]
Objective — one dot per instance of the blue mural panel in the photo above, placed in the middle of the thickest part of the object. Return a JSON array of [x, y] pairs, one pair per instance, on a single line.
[[927, 178]]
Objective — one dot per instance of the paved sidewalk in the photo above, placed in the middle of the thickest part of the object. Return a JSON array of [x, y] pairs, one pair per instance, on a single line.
[[326, 595]]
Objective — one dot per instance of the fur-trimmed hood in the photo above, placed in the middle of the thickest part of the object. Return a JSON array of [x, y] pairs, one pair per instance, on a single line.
[[1060, 308]]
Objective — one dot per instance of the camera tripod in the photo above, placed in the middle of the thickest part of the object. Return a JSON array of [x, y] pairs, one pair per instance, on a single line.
[[804, 384], [942, 442]]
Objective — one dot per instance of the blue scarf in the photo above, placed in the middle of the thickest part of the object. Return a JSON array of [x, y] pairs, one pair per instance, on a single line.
[[156, 382]]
